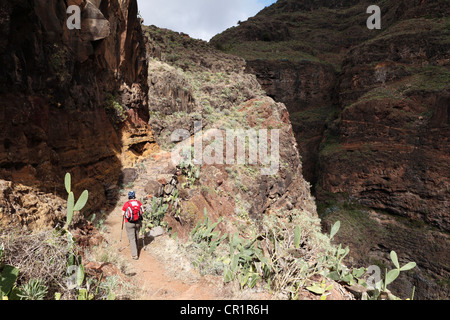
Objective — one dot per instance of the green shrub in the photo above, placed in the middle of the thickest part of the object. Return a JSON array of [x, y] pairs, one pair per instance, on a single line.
[[245, 262], [155, 216], [8, 279], [380, 291], [286, 255], [205, 231], [115, 110], [34, 289], [206, 246], [71, 207], [191, 172]]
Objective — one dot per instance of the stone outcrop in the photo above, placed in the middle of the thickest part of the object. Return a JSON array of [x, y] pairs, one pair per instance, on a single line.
[[95, 26], [70, 101], [222, 97]]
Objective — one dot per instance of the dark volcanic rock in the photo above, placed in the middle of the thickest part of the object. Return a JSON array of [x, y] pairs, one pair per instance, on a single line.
[[71, 100]]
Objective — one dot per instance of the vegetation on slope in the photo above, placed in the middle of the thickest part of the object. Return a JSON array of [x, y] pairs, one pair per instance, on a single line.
[[387, 85], [284, 251]]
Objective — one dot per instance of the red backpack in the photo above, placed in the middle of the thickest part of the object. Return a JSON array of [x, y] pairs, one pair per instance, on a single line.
[[134, 211]]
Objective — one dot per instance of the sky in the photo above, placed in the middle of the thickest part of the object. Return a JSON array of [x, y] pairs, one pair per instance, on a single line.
[[201, 19]]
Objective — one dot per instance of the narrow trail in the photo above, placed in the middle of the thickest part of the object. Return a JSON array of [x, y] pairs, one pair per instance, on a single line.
[[149, 272]]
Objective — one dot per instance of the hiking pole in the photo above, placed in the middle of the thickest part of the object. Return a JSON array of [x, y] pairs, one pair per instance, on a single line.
[[121, 233], [143, 237]]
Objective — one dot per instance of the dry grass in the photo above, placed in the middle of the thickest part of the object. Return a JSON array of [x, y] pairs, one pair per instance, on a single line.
[[44, 255], [41, 255], [293, 267], [105, 253]]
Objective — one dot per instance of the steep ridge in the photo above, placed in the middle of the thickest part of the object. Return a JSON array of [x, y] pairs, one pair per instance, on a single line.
[[71, 101], [370, 113], [190, 81]]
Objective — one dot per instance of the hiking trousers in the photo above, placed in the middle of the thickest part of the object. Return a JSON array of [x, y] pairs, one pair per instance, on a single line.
[[133, 236]]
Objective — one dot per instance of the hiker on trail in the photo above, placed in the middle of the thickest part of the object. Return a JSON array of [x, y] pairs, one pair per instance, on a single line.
[[132, 214]]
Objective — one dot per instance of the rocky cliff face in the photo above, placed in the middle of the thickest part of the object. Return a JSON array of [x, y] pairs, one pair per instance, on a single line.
[[308, 90], [71, 101], [189, 82], [370, 110]]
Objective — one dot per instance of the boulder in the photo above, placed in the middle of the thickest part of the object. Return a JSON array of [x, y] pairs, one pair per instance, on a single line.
[[129, 175], [165, 178], [155, 232], [94, 25], [154, 188], [96, 3], [169, 188]]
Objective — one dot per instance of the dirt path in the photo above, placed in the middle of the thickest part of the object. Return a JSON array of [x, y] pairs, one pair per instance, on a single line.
[[150, 272]]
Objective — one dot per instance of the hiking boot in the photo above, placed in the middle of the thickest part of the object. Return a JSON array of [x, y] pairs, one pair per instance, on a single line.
[[135, 258]]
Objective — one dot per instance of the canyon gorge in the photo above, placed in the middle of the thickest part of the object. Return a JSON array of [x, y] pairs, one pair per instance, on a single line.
[[363, 116]]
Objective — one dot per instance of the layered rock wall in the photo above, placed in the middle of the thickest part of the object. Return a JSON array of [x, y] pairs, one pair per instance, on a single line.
[[71, 101], [308, 90], [382, 142]]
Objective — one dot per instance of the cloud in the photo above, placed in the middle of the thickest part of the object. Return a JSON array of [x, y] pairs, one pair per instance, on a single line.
[[201, 19]]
